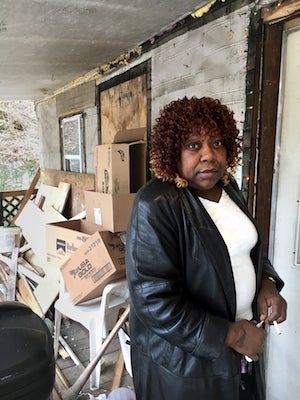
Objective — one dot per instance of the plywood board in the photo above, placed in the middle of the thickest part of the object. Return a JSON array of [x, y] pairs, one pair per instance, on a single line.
[[78, 184], [63, 191], [49, 193], [31, 259], [54, 196], [47, 291], [55, 394], [118, 372], [28, 296], [123, 107], [25, 269], [27, 195], [33, 222]]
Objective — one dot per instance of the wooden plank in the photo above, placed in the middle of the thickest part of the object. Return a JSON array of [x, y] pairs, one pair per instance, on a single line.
[[119, 368], [61, 377], [27, 195], [48, 193], [19, 298], [79, 183], [4, 270], [28, 296], [47, 291], [53, 196], [24, 248], [31, 258], [62, 196], [27, 268], [267, 129], [29, 273], [62, 352], [33, 222], [55, 395], [39, 201], [53, 215], [77, 98]]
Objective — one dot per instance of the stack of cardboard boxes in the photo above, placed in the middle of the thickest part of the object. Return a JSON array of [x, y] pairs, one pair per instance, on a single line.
[[90, 252], [120, 171]]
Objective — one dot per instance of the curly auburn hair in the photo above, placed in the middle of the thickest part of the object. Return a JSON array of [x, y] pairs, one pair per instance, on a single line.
[[180, 119]]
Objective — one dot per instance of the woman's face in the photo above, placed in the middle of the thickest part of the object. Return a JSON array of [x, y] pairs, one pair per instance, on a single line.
[[203, 163]]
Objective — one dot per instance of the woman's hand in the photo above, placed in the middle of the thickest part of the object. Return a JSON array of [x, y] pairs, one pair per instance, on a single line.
[[270, 299], [245, 338]]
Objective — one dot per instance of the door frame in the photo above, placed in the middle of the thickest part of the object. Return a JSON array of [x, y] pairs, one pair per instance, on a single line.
[[266, 129], [261, 179]]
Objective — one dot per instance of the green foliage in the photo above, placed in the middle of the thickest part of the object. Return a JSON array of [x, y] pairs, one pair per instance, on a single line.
[[19, 145]]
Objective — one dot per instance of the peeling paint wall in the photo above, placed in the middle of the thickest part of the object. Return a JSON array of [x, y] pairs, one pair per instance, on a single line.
[[81, 99], [91, 137], [49, 135], [209, 61]]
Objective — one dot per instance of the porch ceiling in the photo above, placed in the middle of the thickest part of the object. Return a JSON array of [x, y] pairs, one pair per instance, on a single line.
[[44, 44]]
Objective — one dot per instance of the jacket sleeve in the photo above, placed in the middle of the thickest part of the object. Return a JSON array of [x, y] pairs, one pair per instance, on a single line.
[[269, 272], [156, 280]]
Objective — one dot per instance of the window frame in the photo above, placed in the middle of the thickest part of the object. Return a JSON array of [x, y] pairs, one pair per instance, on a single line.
[[80, 156]]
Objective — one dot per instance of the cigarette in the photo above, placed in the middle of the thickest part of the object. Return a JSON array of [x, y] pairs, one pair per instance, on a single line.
[[260, 324], [278, 331]]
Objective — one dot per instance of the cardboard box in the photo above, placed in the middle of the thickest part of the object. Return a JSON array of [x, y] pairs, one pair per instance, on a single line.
[[110, 212], [125, 136], [64, 238], [112, 168], [100, 260], [120, 167], [130, 135]]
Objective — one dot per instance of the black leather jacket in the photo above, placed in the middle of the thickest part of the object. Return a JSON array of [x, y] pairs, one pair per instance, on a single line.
[[183, 295]]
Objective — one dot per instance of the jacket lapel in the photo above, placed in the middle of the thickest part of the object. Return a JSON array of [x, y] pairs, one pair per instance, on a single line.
[[213, 242]]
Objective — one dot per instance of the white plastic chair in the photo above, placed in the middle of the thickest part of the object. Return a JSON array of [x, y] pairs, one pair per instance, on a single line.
[[97, 315]]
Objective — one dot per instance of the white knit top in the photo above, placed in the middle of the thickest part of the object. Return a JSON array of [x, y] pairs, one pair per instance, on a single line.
[[240, 236]]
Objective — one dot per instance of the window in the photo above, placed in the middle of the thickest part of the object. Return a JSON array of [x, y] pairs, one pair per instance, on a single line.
[[72, 143]]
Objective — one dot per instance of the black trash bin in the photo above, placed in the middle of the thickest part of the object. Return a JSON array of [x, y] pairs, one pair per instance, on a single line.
[[27, 365]]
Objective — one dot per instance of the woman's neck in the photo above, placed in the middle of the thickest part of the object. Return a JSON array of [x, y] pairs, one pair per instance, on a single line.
[[213, 194]]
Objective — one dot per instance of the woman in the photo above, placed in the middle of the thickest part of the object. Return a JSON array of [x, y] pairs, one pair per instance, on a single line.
[[197, 275]]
